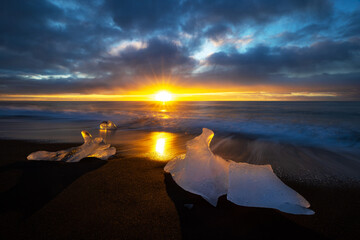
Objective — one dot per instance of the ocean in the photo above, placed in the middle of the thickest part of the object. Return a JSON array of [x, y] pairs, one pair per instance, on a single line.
[[303, 135]]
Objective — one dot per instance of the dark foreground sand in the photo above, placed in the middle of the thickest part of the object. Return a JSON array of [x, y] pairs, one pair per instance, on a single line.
[[132, 198]]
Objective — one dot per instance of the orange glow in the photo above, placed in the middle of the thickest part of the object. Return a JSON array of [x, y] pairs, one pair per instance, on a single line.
[[170, 90], [185, 96]]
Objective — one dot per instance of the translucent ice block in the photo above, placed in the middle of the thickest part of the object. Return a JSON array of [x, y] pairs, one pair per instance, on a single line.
[[108, 125], [201, 172], [92, 147], [258, 186]]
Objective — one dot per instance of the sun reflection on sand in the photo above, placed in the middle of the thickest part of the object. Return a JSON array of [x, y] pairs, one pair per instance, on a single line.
[[106, 134], [162, 145]]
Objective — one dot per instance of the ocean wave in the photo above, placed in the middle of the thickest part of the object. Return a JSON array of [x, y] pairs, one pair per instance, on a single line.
[[300, 134], [316, 124]]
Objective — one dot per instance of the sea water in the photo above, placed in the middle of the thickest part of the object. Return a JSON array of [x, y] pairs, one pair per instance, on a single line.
[[304, 139]]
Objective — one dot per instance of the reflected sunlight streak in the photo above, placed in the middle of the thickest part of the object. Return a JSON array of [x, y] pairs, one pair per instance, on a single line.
[[160, 146]]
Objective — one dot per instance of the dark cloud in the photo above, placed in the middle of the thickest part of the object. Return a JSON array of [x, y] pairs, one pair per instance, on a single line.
[[217, 31], [205, 12], [352, 25], [158, 56], [41, 36], [265, 60], [146, 15], [309, 33], [18, 85]]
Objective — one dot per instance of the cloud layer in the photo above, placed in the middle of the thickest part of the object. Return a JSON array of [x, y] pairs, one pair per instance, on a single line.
[[108, 46]]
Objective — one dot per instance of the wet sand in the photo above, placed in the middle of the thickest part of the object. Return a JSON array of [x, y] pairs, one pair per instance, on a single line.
[[132, 198]]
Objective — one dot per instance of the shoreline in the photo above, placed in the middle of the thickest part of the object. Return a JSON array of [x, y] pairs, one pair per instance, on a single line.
[[132, 197]]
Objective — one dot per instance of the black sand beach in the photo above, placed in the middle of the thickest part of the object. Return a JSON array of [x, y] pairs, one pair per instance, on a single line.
[[132, 198]]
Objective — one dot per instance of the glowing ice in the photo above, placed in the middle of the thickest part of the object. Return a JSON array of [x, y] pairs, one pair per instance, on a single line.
[[91, 148], [201, 172], [257, 186], [108, 125]]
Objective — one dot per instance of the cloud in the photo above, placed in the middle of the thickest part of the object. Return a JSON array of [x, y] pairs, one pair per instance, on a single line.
[[247, 12], [351, 28], [320, 57], [123, 45], [307, 33], [217, 31], [156, 56], [144, 16]]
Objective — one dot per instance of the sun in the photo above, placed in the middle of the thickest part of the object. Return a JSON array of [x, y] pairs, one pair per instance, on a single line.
[[163, 96]]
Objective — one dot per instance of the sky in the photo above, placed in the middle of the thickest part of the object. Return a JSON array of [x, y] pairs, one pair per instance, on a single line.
[[196, 49]]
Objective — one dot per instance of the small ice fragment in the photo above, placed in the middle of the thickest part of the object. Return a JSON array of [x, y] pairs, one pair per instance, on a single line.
[[91, 148], [108, 125], [201, 172]]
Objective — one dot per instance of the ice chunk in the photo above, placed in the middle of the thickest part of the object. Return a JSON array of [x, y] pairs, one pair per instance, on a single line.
[[201, 172], [258, 186], [91, 148], [108, 125]]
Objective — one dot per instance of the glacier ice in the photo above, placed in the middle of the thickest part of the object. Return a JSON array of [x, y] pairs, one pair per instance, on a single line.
[[92, 147], [257, 186], [108, 125], [201, 172]]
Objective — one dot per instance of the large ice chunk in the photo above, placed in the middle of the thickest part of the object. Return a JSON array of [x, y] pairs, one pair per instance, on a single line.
[[91, 148], [201, 172], [108, 125]]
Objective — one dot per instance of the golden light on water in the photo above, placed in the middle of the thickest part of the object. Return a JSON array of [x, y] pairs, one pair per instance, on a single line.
[[162, 145], [163, 96]]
